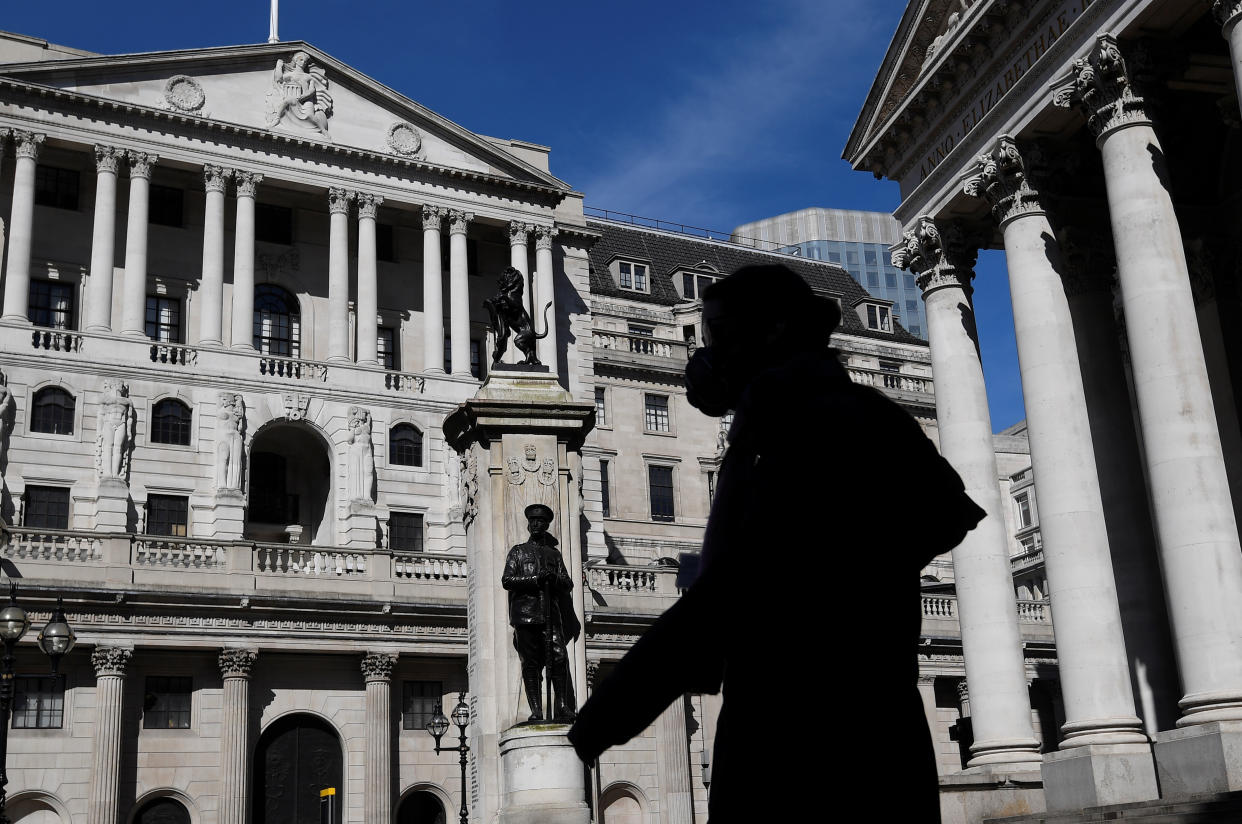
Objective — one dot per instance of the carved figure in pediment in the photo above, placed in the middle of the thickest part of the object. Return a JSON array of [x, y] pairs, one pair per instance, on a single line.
[[299, 95], [232, 421], [115, 430], [361, 475]]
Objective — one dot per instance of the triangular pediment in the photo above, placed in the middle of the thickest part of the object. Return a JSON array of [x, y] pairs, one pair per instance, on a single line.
[[270, 87]]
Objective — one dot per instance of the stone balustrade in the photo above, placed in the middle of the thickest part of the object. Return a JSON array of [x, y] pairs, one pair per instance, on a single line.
[[1026, 559], [292, 369], [179, 553], [292, 559], [423, 567], [174, 354], [651, 350], [403, 382], [23, 543], [940, 617], [56, 340], [891, 381]]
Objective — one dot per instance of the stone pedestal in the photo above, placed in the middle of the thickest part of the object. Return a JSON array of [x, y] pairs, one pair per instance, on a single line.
[[543, 778], [361, 525], [1097, 774], [1198, 759], [112, 506], [224, 517]]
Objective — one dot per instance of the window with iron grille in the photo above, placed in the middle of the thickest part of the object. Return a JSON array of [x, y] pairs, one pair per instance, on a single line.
[[277, 321], [170, 422], [386, 346], [405, 531], [385, 246], [273, 224], [166, 704], [660, 484], [166, 206], [50, 304], [163, 322], [405, 445], [601, 406], [419, 702], [38, 702], [168, 515], [56, 187], [46, 507], [52, 412], [655, 413], [605, 489]]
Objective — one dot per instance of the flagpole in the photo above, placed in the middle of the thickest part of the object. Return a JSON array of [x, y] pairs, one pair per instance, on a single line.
[[272, 37]]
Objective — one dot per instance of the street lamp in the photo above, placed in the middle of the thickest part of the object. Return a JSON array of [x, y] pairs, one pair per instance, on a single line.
[[56, 639], [438, 726]]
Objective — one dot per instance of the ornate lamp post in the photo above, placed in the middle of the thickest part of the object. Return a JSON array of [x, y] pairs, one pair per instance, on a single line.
[[438, 726], [56, 639]]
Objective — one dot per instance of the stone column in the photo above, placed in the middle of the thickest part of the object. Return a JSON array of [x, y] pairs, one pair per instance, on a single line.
[[211, 285], [338, 274], [243, 261], [1200, 552], [459, 293], [987, 610], [109, 663], [368, 285], [235, 665], [21, 227], [1228, 14], [433, 292], [518, 257], [134, 288], [545, 294], [377, 770], [103, 241], [1103, 737], [673, 765]]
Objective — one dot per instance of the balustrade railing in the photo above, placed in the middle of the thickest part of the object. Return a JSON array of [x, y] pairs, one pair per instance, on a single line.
[[632, 579], [293, 559], [418, 566], [895, 381], [401, 382], [945, 607], [639, 344], [56, 340], [180, 553], [174, 354], [28, 543], [939, 606], [292, 369], [1033, 612]]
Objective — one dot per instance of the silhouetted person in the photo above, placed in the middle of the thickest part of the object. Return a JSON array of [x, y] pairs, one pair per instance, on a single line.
[[806, 610]]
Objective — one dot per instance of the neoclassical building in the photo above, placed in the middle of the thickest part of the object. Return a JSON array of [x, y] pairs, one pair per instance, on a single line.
[[1096, 142]]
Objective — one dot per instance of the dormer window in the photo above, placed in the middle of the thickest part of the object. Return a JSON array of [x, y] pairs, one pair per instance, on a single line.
[[632, 276], [693, 284], [879, 318]]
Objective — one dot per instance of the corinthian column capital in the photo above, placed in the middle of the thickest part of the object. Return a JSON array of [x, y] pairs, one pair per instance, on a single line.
[[1103, 89], [1003, 179], [433, 216], [338, 200], [247, 182], [236, 662], [216, 178], [1226, 12], [377, 666], [938, 259], [458, 220], [27, 144], [544, 235], [107, 158], [518, 232], [111, 661], [140, 164], [367, 204]]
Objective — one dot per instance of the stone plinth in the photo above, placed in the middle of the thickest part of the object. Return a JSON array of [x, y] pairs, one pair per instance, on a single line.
[[1097, 774], [1203, 758], [543, 778], [361, 525], [224, 518], [112, 506]]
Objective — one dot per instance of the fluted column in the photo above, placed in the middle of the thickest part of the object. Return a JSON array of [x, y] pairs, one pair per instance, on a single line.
[[21, 226], [518, 257], [377, 770], [433, 292], [987, 610], [134, 288], [103, 241], [459, 293], [1200, 553], [243, 261], [545, 295], [109, 664], [211, 285], [1091, 651], [673, 765], [338, 274], [1229, 14], [368, 285], [235, 666]]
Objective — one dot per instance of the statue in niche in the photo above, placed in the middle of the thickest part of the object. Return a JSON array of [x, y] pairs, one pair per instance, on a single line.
[[299, 95], [115, 430], [541, 612], [6, 417], [361, 456], [229, 429], [508, 314]]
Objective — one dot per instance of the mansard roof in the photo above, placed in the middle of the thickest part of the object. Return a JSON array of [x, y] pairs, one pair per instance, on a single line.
[[669, 253]]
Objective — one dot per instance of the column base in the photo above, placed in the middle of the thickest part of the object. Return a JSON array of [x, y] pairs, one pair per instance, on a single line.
[[434, 371], [1097, 774], [1006, 754], [20, 319], [543, 778], [243, 347], [1205, 758]]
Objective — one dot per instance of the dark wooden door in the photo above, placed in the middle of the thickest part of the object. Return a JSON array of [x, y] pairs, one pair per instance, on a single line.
[[297, 757]]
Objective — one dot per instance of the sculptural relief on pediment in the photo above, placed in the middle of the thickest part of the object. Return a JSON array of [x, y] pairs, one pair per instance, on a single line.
[[298, 98]]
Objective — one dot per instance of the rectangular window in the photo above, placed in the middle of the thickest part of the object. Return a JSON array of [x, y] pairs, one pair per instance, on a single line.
[[640, 277], [386, 346], [57, 188], [385, 246], [851, 257], [632, 276], [878, 318], [39, 702], [168, 515], [693, 285], [870, 258], [50, 304], [660, 484], [419, 702], [639, 329], [46, 507], [166, 704], [873, 280], [890, 280], [476, 358], [834, 257], [711, 487], [166, 206], [405, 531], [273, 224], [163, 321], [601, 406], [655, 413], [910, 284], [687, 286], [890, 366], [912, 309], [1023, 502], [605, 489]]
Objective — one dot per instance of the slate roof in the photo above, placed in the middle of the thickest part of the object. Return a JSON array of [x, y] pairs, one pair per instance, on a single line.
[[669, 252]]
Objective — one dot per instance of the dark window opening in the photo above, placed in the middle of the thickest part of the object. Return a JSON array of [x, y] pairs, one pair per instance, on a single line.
[[166, 704], [386, 346], [405, 531], [277, 321], [656, 413], [170, 422], [419, 702], [55, 187], [273, 224], [385, 245], [405, 445], [660, 481], [53, 411], [46, 507], [50, 304], [168, 515], [166, 206], [605, 489], [39, 702], [163, 321]]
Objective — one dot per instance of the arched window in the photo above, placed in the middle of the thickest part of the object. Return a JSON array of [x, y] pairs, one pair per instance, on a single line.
[[52, 412], [277, 321], [405, 445], [170, 422], [163, 811]]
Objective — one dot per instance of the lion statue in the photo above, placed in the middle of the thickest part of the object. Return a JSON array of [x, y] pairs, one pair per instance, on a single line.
[[508, 314]]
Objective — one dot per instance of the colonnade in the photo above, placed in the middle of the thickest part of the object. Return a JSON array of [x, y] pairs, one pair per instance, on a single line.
[[1101, 574], [97, 316]]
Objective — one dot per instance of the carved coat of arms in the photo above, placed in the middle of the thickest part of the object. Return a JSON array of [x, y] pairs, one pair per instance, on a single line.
[[517, 469]]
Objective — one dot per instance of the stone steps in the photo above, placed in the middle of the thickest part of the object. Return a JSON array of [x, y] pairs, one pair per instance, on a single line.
[[1216, 808]]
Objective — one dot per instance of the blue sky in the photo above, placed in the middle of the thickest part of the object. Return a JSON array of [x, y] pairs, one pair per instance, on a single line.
[[710, 114]]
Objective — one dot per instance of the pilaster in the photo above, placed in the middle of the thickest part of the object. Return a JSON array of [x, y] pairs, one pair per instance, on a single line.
[[235, 666], [377, 672], [110, 664]]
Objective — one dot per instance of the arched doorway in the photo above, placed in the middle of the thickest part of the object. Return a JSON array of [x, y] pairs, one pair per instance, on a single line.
[[290, 490], [162, 811], [621, 805], [421, 807], [297, 756]]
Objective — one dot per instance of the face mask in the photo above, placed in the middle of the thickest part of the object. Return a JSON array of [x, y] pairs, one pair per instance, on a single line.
[[708, 388]]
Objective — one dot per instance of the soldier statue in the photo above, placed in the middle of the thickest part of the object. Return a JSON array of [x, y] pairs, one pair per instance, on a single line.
[[541, 612]]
